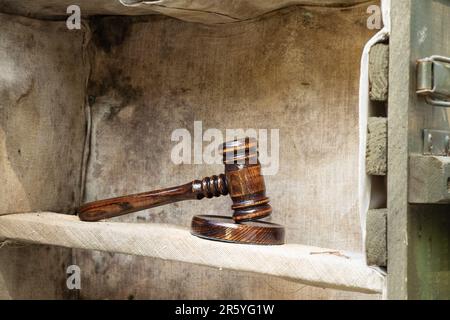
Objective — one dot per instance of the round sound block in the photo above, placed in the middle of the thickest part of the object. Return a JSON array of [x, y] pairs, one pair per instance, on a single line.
[[224, 229]]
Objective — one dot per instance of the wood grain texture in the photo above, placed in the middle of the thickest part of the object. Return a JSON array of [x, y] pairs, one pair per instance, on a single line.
[[245, 180], [379, 72], [209, 187], [163, 279], [221, 228], [321, 267], [269, 66], [399, 100], [242, 180], [120, 282], [376, 150]]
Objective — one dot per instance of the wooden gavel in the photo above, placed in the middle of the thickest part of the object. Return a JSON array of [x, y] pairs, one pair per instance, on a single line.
[[242, 181]]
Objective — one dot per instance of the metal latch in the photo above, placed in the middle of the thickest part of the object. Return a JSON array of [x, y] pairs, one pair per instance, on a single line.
[[436, 143], [433, 80]]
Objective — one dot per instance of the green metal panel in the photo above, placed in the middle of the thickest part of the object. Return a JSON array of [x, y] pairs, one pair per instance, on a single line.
[[429, 227], [418, 235], [429, 252]]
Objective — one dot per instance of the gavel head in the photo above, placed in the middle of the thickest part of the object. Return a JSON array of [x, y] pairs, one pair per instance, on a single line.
[[244, 180]]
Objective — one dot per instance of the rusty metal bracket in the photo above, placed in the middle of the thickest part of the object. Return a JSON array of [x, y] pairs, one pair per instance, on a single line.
[[433, 80]]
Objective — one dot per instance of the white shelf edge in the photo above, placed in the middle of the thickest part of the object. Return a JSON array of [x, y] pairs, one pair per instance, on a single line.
[[291, 261]]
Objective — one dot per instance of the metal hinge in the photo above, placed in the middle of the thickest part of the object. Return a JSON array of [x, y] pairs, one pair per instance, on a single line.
[[433, 80]]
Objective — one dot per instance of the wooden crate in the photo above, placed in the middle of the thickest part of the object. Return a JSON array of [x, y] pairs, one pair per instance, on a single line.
[[88, 114]]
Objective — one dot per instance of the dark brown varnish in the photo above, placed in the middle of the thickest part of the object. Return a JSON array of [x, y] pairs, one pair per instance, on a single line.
[[210, 187], [245, 182], [248, 193], [242, 180], [226, 230]]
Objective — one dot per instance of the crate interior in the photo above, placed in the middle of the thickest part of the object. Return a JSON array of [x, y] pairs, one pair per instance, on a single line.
[[88, 114]]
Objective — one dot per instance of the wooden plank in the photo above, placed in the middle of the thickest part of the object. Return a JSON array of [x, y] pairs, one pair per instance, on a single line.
[[121, 276], [376, 236], [310, 265], [376, 152], [399, 99], [379, 72]]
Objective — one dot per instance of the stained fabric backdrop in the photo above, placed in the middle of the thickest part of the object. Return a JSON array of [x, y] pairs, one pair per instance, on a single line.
[[294, 69]]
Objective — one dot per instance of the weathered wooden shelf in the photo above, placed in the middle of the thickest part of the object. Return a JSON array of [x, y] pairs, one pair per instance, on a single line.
[[310, 265]]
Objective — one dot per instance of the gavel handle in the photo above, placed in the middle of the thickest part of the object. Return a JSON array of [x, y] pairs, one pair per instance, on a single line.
[[214, 186]]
